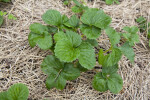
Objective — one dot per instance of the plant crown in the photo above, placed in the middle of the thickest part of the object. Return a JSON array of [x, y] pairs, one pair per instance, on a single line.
[[72, 41]]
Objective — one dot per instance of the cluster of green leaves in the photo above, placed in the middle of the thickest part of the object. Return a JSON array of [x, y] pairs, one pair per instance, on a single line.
[[15, 92], [10, 16], [72, 41], [5, 1], [144, 26], [110, 2]]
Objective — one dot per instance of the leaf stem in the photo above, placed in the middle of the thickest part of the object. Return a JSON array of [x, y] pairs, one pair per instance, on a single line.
[[108, 50]]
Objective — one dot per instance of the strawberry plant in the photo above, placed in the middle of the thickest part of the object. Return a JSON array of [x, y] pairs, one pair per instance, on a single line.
[[15, 92], [72, 42], [144, 26], [10, 17]]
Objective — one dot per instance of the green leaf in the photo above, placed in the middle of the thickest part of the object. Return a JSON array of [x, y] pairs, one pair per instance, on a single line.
[[11, 16], [90, 32], [67, 49], [18, 92], [70, 72], [93, 42], [141, 20], [52, 29], [52, 17], [5, 1], [115, 83], [1, 20], [96, 18], [72, 22], [87, 55], [76, 9], [55, 80], [4, 96], [110, 59], [59, 36], [127, 50], [81, 68], [58, 72], [113, 35], [131, 35], [101, 57], [38, 28], [99, 83], [110, 69], [109, 2], [44, 41]]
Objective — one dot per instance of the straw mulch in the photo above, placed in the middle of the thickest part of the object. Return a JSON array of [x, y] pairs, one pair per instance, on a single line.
[[19, 63]]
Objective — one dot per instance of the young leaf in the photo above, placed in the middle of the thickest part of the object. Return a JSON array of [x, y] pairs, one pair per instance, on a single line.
[[52, 17], [67, 48], [127, 50], [18, 92], [141, 20], [1, 20], [131, 35], [4, 96], [101, 57], [90, 32], [58, 72], [115, 83], [113, 35], [76, 9], [93, 42], [72, 22], [99, 83], [87, 55], [44, 41]]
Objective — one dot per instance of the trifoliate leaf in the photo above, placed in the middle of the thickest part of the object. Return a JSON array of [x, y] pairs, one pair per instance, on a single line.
[[93, 42], [58, 72], [90, 32], [18, 92], [52, 17], [87, 55], [115, 83], [113, 36], [44, 41], [38, 28], [109, 59], [131, 35], [4, 96], [127, 50], [72, 22], [1, 20], [99, 83]]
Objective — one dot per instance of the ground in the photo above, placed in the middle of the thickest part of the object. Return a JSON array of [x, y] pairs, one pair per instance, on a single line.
[[19, 63]]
